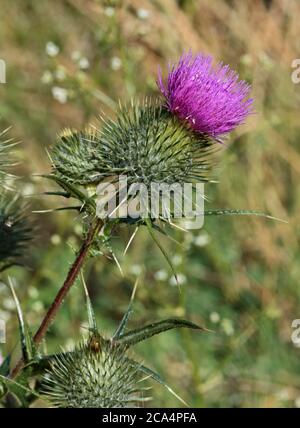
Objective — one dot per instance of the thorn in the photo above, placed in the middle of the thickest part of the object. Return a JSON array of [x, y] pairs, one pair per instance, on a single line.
[[134, 289], [130, 241]]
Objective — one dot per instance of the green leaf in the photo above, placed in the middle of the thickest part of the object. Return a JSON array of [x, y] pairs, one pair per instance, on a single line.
[[5, 366], [120, 330], [138, 335], [167, 235], [42, 363], [73, 191], [150, 229], [241, 212], [57, 193], [155, 376], [27, 344], [91, 315], [20, 392]]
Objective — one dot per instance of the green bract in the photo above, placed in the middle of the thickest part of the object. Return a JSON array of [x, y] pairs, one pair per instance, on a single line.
[[6, 145], [146, 143], [97, 373]]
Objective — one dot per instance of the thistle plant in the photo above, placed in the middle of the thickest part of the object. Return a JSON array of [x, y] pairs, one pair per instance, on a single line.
[[154, 141], [100, 372], [172, 139]]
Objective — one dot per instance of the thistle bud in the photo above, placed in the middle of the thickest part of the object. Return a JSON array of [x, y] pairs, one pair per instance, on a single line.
[[97, 373], [146, 143]]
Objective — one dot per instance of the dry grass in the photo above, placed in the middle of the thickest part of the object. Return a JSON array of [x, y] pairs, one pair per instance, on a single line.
[[260, 170]]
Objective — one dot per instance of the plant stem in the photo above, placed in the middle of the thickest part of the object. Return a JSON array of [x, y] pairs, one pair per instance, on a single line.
[[69, 281]]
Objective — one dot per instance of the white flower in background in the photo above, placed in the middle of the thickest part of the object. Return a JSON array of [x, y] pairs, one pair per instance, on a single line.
[[143, 13], [177, 259], [136, 269], [33, 293], [55, 239], [214, 317], [60, 73], [76, 55], [84, 63], [109, 11], [161, 275], [116, 63], [283, 394], [47, 77], [8, 303], [246, 59], [52, 49], [181, 279], [202, 239], [227, 327], [60, 94], [37, 306]]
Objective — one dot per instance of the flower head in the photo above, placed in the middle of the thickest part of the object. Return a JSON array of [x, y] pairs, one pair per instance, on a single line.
[[94, 377], [212, 100]]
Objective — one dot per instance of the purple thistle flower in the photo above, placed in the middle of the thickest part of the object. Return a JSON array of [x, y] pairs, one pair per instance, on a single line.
[[211, 99]]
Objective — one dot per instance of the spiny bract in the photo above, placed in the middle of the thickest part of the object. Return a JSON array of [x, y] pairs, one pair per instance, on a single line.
[[97, 373], [6, 161], [15, 230], [146, 143]]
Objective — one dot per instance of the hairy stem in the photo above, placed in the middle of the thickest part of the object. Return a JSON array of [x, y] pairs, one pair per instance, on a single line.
[[69, 281]]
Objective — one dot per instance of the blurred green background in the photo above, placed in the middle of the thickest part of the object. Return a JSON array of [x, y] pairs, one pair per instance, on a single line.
[[70, 60]]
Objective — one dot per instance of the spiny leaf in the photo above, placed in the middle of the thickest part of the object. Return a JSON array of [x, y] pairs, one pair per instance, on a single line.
[[74, 192], [120, 330], [155, 376], [241, 212], [138, 335], [5, 366], [52, 210], [166, 234], [64, 194], [19, 390], [165, 254], [91, 315], [27, 344]]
